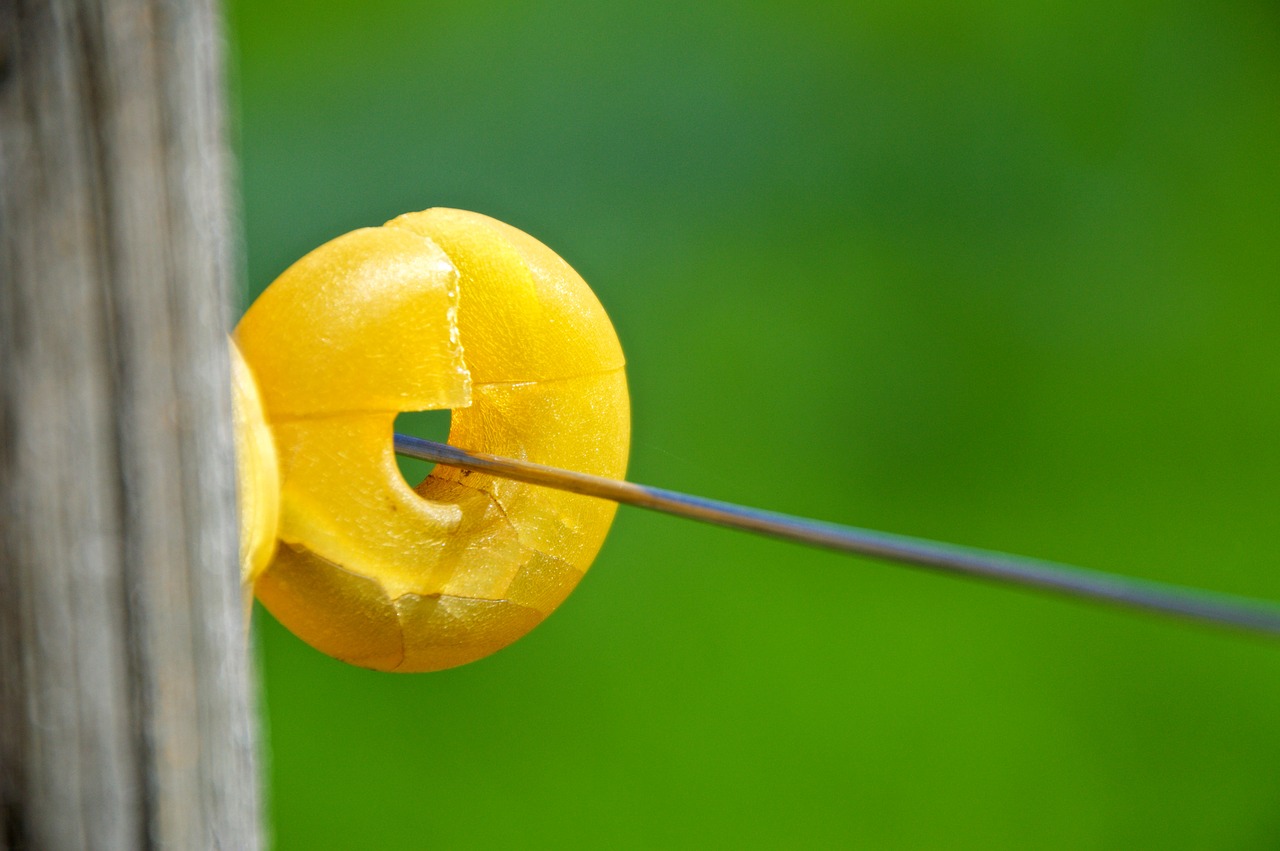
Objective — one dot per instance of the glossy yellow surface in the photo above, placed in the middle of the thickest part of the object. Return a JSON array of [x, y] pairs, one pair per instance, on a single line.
[[439, 309], [257, 473]]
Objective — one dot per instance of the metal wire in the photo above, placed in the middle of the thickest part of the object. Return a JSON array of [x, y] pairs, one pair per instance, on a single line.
[[1179, 601]]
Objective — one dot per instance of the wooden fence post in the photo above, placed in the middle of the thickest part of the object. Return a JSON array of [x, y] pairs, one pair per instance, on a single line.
[[125, 690]]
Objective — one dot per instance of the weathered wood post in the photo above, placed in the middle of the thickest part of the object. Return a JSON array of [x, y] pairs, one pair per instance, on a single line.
[[125, 697]]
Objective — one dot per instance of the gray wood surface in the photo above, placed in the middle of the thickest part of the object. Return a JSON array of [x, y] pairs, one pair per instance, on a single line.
[[125, 690]]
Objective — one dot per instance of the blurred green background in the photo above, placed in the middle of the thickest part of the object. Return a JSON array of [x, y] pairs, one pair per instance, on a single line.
[[1001, 274]]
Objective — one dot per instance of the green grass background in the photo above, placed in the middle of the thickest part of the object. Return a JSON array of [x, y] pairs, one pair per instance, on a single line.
[[1006, 274]]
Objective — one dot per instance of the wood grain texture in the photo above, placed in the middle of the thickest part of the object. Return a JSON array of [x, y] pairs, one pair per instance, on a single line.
[[125, 690]]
